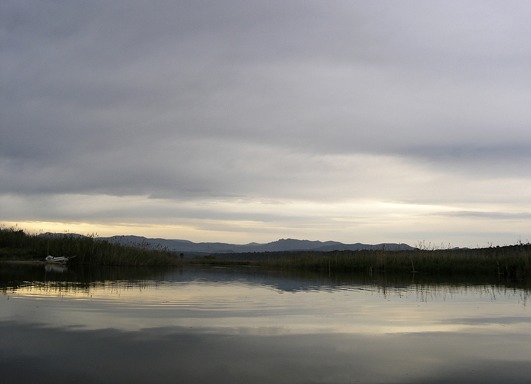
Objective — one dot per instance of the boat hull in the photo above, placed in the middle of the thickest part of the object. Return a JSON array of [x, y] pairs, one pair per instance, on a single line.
[[56, 260]]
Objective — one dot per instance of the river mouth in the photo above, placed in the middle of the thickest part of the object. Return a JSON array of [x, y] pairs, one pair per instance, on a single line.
[[235, 325]]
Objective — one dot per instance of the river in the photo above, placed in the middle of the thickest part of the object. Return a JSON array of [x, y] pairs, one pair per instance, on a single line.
[[245, 325]]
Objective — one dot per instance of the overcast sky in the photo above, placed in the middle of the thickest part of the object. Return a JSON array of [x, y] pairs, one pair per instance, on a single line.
[[240, 121]]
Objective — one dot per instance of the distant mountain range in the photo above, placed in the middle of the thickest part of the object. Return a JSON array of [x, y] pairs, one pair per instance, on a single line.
[[282, 245]]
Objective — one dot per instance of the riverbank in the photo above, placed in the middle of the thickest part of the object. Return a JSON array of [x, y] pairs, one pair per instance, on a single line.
[[508, 262], [16, 245]]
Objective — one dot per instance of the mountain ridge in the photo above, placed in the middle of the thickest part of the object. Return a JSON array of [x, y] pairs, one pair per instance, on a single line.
[[281, 245]]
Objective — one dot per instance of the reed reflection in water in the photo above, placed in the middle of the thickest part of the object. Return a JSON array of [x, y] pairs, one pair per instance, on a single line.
[[226, 325]]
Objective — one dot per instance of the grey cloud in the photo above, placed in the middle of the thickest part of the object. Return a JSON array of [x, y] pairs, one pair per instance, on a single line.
[[490, 215], [474, 160], [194, 99]]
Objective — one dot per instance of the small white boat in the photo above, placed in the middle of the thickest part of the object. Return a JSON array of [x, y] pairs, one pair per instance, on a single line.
[[56, 260]]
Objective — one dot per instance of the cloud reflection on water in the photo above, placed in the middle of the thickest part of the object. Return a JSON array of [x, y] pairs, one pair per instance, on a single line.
[[229, 326], [244, 305], [170, 354]]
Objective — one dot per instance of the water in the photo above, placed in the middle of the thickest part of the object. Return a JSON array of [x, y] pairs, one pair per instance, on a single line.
[[222, 325]]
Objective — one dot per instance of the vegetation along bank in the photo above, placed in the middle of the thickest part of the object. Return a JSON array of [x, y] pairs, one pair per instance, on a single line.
[[508, 262]]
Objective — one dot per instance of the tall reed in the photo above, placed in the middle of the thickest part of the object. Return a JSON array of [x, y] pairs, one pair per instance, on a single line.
[[513, 262], [82, 250]]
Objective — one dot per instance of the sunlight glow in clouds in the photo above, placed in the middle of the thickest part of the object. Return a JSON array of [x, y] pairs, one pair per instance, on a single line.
[[245, 121], [262, 221]]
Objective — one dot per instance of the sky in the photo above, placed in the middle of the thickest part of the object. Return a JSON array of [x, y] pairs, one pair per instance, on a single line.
[[250, 121]]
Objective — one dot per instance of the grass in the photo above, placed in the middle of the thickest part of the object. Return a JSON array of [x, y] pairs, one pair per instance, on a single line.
[[509, 262], [15, 244]]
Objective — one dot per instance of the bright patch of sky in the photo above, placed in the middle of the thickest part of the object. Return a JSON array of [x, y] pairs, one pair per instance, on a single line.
[[242, 121]]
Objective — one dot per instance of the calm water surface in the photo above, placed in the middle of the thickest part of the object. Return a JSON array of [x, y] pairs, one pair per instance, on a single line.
[[249, 326]]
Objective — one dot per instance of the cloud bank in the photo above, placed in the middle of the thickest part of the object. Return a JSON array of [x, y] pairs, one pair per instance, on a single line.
[[250, 121]]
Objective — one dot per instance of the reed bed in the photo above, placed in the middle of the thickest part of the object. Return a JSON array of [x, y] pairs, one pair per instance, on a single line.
[[508, 262], [83, 250], [512, 262]]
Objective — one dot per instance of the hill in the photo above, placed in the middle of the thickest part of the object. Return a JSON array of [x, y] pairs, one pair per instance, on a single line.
[[282, 245]]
